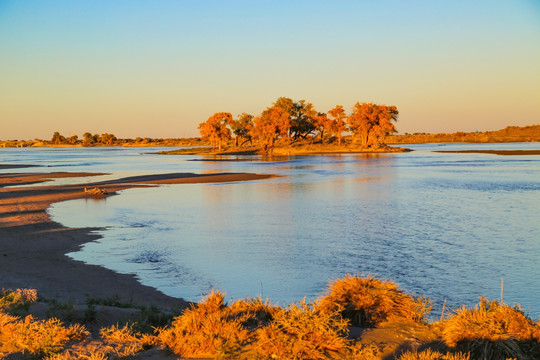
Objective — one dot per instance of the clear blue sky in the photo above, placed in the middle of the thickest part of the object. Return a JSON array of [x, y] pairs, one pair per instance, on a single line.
[[158, 68]]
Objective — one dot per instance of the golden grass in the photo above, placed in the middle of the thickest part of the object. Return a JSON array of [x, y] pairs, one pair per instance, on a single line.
[[301, 331], [493, 330], [205, 330], [368, 301], [253, 312], [256, 329], [433, 355], [360, 351], [38, 337], [20, 298], [125, 341]]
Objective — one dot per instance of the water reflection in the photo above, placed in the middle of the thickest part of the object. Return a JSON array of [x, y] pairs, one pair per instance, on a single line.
[[442, 225]]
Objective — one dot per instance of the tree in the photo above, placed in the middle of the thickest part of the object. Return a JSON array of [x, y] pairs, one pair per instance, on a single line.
[[273, 123], [322, 123], [88, 139], [73, 139], [215, 129], [108, 139], [302, 119], [337, 126], [58, 139], [242, 127], [371, 122]]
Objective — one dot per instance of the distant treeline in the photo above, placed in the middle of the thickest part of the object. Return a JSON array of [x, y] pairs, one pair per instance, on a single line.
[[104, 139], [529, 133], [289, 121]]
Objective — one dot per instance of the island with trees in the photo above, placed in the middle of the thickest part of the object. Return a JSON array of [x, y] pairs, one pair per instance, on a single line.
[[290, 127]]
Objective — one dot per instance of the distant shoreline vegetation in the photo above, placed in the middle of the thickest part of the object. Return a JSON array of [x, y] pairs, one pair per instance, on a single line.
[[308, 134]]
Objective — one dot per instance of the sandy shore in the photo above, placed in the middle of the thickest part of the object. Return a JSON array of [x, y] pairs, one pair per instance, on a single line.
[[33, 248], [494, 152]]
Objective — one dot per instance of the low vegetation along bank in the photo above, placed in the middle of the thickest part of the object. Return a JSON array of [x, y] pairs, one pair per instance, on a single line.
[[357, 318]]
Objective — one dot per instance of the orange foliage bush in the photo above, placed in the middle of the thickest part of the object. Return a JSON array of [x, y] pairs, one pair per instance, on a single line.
[[433, 355], [303, 332], [20, 298], [38, 337], [205, 330], [367, 301], [493, 330]]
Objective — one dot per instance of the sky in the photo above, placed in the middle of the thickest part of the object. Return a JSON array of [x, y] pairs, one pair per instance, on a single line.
[[159, 68]]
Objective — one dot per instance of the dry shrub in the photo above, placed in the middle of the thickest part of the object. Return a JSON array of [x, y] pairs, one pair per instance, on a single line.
[[253, 312], [303, 332], [493, 330], [429, 354], [367, 301], [125, 341], [37, 337], [20, 298], [360, 351], [205, 330]]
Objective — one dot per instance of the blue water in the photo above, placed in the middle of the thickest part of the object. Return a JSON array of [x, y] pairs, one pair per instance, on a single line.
[[447, 226]]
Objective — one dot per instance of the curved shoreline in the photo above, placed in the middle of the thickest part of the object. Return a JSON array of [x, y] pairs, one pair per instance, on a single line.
[[33, 247]]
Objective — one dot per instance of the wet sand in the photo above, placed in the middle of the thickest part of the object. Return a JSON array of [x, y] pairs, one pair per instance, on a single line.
[[33, 248], [15, 166], [494, 152]]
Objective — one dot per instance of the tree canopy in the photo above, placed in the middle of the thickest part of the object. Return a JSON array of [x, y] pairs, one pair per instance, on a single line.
[[215, 128], [288, 121], [371, 122]]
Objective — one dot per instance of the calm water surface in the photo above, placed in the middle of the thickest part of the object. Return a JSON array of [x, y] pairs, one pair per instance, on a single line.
[[448, 226]]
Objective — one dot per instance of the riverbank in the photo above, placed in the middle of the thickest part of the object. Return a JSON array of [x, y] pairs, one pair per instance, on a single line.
[[34, 247], [287, 150], [493, 152]]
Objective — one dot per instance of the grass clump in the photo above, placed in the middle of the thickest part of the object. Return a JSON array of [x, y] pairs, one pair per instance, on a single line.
[[125, 341], [429, 354], [253, 312], [19, 299], [301, 331], [368, 301], [36, 337], [206, 330], [493, 331]]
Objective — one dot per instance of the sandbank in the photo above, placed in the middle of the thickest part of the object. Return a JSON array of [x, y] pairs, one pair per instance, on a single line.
[[15, 166], [33, 247], [494, 152]]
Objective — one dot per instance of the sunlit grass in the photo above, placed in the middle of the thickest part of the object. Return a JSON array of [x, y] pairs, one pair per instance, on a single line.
[[493, 330], [368, 301], [254, 328], [37, 337], [205, 330]]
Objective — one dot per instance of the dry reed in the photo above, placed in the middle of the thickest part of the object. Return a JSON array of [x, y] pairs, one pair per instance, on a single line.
[[301, 331], [368, 301], [205, 330], [493, 330]]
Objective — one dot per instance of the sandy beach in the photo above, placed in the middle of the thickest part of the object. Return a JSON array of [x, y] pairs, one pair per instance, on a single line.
[[493, 152], [33, 247]]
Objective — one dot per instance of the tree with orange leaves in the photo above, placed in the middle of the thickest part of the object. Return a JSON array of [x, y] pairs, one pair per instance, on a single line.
[[371, 122], [274, 122], [322, 123], [241, 128], [215, 129], [337, 126]]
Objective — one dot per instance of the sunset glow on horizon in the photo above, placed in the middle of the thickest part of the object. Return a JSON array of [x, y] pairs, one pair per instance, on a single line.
[[158, 69]]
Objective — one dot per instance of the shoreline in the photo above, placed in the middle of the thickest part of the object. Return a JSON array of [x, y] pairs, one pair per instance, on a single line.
[[492, 152], [34, 247]]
